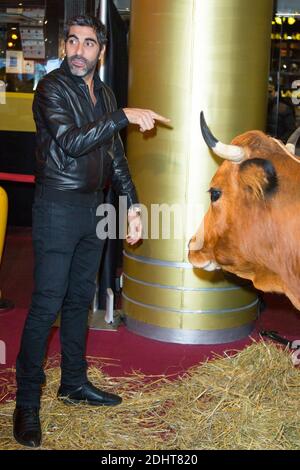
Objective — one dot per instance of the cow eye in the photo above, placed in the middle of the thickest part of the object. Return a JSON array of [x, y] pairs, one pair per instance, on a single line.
[[215, 194]]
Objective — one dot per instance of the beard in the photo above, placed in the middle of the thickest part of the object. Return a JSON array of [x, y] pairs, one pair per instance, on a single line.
[[81, 67]]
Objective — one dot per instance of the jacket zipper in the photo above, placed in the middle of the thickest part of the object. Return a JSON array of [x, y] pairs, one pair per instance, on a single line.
[[88, 96]]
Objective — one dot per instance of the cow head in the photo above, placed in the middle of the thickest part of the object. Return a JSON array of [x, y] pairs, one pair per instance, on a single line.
[[241, 225]]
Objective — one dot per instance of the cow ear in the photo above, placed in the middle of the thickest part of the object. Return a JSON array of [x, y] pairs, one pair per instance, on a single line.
[[258, 176]]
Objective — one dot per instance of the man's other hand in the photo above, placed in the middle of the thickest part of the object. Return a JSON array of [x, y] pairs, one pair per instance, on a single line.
[[134, 227]]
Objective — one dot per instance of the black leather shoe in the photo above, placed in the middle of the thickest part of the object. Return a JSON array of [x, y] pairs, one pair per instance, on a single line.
[[27, 426], [88, 394]]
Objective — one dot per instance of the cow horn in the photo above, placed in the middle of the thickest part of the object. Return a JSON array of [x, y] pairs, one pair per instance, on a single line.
[[292, 140], [228, 152]]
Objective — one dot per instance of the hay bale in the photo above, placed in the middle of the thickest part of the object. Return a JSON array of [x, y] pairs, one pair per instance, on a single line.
[[249, 400]]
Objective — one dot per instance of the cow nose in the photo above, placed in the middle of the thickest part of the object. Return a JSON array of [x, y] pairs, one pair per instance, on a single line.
[[195, 243]]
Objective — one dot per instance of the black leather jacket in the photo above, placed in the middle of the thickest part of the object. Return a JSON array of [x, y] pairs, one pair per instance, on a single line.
[[75, 151]]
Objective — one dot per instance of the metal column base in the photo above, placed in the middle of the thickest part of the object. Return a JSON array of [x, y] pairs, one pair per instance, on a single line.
[[186, 336]]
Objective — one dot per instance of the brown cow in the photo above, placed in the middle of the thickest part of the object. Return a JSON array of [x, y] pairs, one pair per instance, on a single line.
[[252, 227]]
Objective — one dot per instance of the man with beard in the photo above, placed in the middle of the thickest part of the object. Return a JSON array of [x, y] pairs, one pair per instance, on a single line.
[[78, 149]]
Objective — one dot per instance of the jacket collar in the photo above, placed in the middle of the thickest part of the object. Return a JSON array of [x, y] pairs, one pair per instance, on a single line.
[[98, 84]]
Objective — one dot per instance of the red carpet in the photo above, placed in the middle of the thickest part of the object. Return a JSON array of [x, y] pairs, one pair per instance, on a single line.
[[121, 351]]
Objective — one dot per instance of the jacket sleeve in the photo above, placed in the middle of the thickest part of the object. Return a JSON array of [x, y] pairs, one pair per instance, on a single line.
[[51, 108], [121, 179]]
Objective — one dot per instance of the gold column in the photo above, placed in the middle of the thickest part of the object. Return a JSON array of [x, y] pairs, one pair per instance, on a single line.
[[187, 56], [5, 305], [3, 218], [16, 112]]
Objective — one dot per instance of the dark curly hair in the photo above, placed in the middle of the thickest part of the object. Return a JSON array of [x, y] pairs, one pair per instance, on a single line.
[[87, 20]]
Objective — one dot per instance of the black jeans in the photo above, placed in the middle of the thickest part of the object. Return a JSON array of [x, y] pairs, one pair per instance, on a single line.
[[67, 256]]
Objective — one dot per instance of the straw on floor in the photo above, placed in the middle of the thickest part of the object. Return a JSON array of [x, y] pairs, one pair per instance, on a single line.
[[247, 400]]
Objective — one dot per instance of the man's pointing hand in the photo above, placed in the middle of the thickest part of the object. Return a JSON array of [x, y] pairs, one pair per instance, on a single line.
[[145, 118]]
